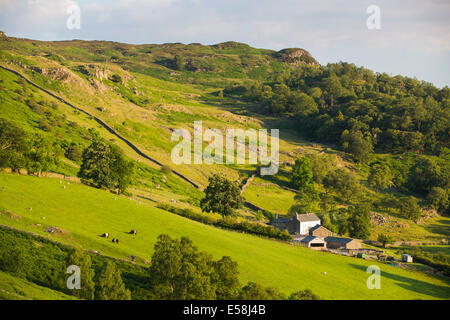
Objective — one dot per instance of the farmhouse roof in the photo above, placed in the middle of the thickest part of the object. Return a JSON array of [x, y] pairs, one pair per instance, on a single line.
[[338, 240], [307, 217]]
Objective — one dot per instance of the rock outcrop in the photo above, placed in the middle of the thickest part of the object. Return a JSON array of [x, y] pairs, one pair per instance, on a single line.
[[296, 56]]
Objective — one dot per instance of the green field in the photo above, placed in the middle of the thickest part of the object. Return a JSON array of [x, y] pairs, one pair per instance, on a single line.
[[83, 213], [269, 196]]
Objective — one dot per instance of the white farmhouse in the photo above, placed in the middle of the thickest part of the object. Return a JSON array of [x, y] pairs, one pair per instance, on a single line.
[[307, 221], [297, 224]]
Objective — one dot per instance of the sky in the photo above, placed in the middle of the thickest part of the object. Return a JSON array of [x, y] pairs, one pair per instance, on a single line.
[[413, 39]]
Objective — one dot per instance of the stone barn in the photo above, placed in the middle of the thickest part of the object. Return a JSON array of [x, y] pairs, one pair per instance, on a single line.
[[320, 231], [313, 242], [342, 243]]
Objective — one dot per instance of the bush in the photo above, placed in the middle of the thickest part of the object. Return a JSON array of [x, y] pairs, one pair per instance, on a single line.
[[74, 153], [116, 78], [166, 169]]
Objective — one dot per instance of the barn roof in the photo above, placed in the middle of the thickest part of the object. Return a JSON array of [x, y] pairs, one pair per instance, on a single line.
[[310, 238], [338, 240], [307, 217]]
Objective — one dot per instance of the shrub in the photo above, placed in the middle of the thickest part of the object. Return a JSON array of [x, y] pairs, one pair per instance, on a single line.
[[116, 78]]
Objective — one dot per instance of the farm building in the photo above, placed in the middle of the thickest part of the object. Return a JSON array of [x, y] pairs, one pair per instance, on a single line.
[[297, 224], [313, 242], [342, 243], [407, 258], [320, 231]]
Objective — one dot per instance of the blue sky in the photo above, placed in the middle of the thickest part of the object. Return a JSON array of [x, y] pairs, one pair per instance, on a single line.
[[414, 39]]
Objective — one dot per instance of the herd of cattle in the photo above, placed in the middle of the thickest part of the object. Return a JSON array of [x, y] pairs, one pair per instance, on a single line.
[[115, 240]]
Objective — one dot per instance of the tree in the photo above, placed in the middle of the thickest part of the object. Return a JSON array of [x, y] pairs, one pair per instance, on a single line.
[[74, 153], [384, 239], [44, 155], [410, 209], [344, 183], [333, 88], [301, 173], [359, 221], [106, 166], [226, 279], [358, 146], [255, 291], [321, 165], [303, 105], [123, 171], [83, 261], [178, 62], [221, 196], [438, 198], [303, 295], [111, 286], [425, 175], [13, 145], [380, 176], [307, 199], [180, 272]]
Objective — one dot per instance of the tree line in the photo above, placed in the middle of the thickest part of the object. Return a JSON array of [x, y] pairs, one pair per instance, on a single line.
[[358, 109]]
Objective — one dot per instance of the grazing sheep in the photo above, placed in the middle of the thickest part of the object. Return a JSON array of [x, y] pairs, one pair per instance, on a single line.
[[105, 235], [133, 232], [115, 240]]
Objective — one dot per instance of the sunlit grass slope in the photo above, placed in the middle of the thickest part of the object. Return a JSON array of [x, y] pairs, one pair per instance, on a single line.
[[13, 288], [83, 213]]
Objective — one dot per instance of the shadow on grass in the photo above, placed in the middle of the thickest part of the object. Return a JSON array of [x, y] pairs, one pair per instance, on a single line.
[[441, 227], [433, 290]]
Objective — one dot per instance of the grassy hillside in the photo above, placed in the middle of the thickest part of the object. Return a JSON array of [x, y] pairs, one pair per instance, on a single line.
[[144, 92], [82, 214], [171, 105], [13, 288]]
